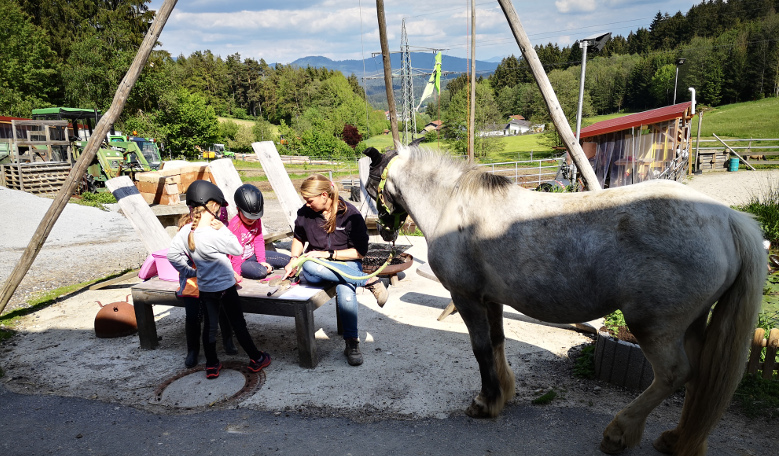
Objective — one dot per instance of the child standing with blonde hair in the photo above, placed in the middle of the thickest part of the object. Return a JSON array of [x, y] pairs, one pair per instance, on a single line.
[[193, 313], [207, 241]]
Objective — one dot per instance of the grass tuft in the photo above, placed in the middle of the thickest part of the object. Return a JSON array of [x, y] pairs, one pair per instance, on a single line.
[[545, 398]]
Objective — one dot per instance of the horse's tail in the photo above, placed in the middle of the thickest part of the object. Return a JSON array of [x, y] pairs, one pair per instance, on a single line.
[[726, 341]]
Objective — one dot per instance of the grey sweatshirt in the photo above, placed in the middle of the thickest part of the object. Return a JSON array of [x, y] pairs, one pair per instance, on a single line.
[[214, 271]]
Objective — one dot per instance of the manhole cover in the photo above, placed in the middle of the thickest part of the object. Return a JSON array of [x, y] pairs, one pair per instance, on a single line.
[[191, 389]]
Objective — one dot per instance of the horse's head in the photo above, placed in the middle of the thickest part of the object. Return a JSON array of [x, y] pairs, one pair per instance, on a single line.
[[391, 214]]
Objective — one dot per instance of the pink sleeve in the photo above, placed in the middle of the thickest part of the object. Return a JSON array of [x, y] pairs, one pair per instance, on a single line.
[[235, 260], [259, 244]]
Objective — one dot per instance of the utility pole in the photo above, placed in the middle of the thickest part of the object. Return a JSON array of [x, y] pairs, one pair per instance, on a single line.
[[407, 88], [385, 54], [472, 113], [679, 62]]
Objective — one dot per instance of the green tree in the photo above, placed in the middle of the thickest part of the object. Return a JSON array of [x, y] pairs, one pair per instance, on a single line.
[[29, 67], [566, 86], [488, 118], [188, 121], [264, 131], [662, 84]]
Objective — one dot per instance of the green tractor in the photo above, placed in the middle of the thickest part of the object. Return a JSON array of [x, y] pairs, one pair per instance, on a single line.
[[145, 146], [118, 155], [113, 160]]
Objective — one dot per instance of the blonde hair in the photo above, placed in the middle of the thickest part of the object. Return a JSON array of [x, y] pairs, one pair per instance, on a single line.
[[197, 212], [315, 185], [184, 219]]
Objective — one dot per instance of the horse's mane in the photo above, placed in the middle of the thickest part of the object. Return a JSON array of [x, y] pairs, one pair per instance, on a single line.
[[472, 178]]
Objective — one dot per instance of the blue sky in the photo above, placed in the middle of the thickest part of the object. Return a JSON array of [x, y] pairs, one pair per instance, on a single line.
[[283, 31]]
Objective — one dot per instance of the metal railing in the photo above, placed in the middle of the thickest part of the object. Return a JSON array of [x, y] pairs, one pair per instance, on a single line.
[[754, 146], [527, 173]]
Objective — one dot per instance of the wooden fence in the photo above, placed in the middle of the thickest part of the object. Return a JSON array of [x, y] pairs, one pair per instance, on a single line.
[[713, 155], [759, 341]]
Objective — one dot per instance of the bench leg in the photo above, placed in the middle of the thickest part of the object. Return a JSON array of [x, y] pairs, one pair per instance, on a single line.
[[394, 280], [147, 328], [304, 330]]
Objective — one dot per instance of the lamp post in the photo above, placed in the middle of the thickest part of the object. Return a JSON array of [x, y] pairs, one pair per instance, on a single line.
[[597, 42], [679, 62]]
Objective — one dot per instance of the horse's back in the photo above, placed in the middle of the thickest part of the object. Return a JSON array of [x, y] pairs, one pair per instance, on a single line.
[[587, 253]]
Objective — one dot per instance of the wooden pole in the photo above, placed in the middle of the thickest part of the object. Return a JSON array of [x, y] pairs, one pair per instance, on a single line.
[[385, 55], [77, 172], [698, 142], [555, 111], [472, 95], [735, 153]]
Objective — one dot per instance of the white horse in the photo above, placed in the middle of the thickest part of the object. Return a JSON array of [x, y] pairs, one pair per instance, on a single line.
[[662, 253]]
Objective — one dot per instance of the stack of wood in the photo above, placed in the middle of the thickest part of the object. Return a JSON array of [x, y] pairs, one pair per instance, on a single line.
[[166, 186]]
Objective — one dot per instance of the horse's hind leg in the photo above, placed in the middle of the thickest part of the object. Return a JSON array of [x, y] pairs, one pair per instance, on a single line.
[[485, 327], [671, 368], [693, 344]]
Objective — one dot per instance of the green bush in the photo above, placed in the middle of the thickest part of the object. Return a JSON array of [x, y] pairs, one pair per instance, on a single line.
[[765, 208], [100, 198], [614, 320], [584, 364]]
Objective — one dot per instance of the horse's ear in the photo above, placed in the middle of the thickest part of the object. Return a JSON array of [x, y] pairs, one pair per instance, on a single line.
[[374, 154]]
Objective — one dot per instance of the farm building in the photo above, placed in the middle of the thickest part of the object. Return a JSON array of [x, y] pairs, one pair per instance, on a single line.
[[652, 144]]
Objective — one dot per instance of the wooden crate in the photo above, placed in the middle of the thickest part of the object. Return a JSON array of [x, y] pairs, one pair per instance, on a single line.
[[166, 186], [709, 161], [37, 178], [771, 344]]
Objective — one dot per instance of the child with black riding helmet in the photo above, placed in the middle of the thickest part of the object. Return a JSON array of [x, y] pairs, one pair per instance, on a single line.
[[193, 313], [208, 242], [254, 262]]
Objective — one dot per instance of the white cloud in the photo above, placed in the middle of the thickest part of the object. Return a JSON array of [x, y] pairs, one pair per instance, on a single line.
[[575, 6]]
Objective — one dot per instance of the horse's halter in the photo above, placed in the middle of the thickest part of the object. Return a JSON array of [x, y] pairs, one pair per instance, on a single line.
[[390, 219]]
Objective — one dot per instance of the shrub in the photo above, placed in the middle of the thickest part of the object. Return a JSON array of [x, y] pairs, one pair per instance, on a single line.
[[765, 208]]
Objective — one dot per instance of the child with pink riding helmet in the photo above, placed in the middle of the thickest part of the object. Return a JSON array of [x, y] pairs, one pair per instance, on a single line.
[[254, 262]]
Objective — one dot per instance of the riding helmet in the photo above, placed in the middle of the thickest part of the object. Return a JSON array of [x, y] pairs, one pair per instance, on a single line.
[[249, 200], [202, 191]]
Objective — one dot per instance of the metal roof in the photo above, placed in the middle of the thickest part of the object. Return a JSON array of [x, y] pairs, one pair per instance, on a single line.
[[634, 120]]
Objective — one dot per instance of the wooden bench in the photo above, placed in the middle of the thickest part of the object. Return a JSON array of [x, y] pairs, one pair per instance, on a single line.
[[299, 301]]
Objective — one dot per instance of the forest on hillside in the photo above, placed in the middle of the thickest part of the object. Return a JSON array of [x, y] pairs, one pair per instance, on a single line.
[[75, 53]]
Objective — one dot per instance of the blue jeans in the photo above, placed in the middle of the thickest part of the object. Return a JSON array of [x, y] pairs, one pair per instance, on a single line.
[[345, 296], [251, 269]]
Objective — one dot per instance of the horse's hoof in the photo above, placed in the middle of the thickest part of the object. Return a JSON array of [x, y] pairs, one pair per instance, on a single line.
[[478, 409], [611, 447], [666, 442], [613, 439]]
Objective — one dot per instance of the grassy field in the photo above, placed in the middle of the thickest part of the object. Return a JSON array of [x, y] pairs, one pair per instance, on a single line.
[[754, 119]]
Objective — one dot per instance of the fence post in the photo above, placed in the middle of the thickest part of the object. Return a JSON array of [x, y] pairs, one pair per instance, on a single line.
[[770, 354], [754, 353]]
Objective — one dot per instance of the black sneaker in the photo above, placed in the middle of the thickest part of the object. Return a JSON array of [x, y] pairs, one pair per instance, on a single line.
[[352, 352], [260, 363], [212, 372]]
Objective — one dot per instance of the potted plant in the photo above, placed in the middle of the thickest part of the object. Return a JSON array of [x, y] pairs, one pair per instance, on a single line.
[[618, 358]]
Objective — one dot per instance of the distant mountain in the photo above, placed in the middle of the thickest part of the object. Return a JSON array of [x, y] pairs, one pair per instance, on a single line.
[[420, 61]]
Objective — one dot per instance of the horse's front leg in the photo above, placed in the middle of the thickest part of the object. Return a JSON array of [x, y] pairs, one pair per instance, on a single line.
[[485, 327]]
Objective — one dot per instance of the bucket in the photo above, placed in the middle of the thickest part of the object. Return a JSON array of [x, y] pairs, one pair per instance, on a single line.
[[733, 164]]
